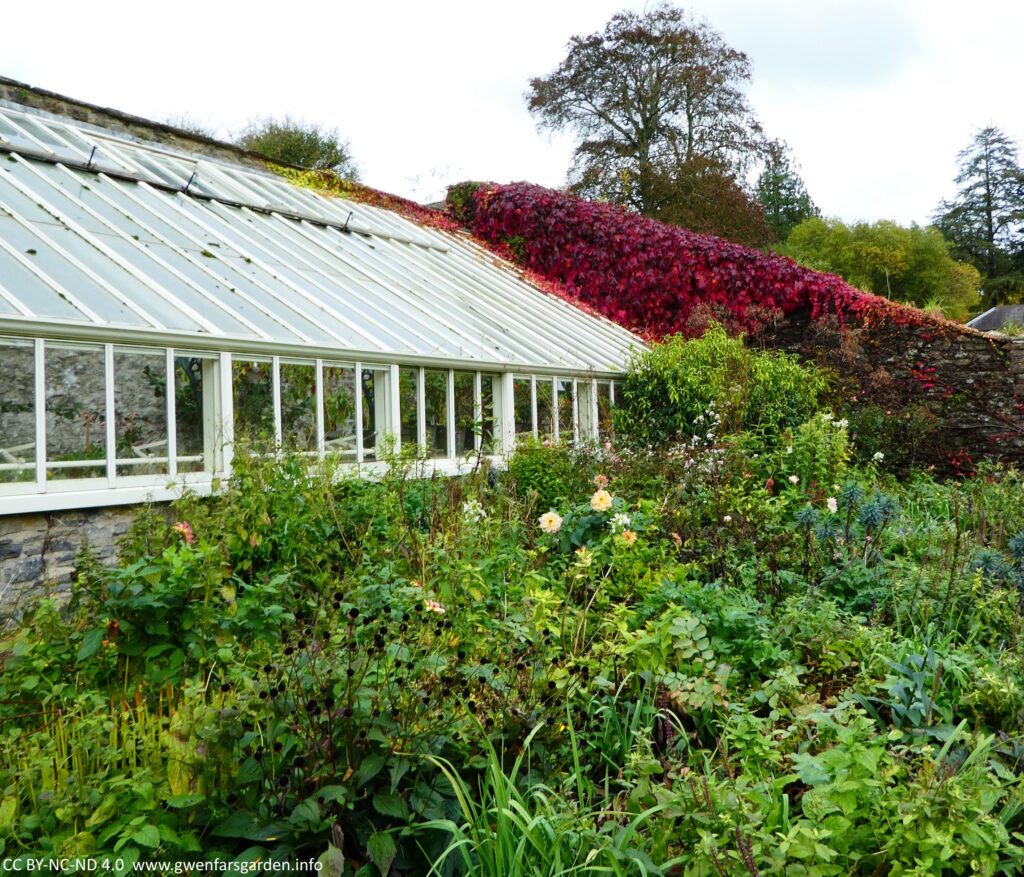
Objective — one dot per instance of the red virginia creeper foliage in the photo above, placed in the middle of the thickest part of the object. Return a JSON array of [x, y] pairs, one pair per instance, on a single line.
[[647, 275]]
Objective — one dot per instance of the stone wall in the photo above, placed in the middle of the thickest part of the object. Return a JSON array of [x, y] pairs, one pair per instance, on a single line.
[[962, 390], [124, 123], [37, 553]]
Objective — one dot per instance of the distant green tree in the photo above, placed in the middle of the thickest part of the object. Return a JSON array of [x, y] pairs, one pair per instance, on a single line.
[[305, 145], [782, 194], [908, 264], [985, 221]]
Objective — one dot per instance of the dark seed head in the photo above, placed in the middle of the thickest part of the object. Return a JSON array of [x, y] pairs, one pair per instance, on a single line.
[[353, 613]]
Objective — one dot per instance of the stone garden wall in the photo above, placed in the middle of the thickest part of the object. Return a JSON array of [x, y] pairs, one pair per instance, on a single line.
[[949, 396], [37, 553]]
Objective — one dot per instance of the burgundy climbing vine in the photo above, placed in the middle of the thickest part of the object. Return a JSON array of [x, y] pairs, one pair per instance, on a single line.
[[648, 275]]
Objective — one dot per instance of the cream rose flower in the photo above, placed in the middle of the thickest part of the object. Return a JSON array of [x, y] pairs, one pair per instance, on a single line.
[[601, 501], [550, 522]]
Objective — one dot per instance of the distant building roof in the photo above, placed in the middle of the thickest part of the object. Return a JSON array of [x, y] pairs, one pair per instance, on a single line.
[[995, 318]]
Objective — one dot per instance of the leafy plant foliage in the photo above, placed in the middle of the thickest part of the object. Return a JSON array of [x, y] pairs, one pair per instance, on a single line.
[[742, 649]]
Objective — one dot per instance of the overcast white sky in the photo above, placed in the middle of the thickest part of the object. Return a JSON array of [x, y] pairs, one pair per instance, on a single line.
[[875, 97]]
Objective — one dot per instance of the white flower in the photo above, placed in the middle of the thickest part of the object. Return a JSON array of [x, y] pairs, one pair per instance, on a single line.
[[550, 522], [789, 450], [833, 504], [794, 479], [842, 424], [473, 511], [826, 416], [878, 456], [619, 521], [727, 519]]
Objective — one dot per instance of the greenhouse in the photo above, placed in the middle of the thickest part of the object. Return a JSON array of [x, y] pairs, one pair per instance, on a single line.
[[158, 308]]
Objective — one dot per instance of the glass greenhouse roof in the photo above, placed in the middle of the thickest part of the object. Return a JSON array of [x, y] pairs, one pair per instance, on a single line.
[[103, 237]]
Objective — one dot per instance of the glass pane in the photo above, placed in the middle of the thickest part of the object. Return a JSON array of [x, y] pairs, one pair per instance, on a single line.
[[407, 378], [140, 411], [564, 385], [586, 427], [253, 390], [523, 406], [375, 411], [545, 408], [17, 411], [75, 412], [195, 376], [298, 406], [340, 411], [435, 398], [488, 442], [465, 413], [604, 411]]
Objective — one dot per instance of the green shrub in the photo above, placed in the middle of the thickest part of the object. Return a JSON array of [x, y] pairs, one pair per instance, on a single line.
[[820, 451], [898, 437], [670, 389], [551, 470]]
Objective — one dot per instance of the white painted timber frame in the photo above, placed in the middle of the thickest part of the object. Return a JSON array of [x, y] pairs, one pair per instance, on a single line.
[[126, 245]]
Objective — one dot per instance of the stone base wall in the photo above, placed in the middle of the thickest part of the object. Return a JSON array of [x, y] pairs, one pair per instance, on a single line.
[[37, 553]]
